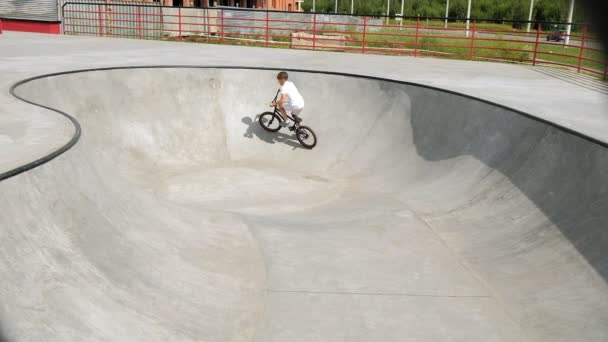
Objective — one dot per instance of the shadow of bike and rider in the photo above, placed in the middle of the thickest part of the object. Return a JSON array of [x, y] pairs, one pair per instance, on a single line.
[[254, 129]]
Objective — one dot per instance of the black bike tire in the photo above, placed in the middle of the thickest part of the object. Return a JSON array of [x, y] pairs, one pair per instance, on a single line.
[[266, 128], [308, 146]]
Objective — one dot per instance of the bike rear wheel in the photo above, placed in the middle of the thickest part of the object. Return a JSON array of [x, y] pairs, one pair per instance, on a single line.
[[306, 137], [270, 122]]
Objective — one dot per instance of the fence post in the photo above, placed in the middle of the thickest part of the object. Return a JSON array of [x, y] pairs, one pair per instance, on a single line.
[[314, 31], [267, 27], [222, 26], [536, 44], [472, 45], [159, 20], [416, 37], [100, 17], [582, 48], [179, 23], [364, 34], [139, 24]]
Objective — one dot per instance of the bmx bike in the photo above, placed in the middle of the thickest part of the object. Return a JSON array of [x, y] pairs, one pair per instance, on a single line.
[[271, 122]]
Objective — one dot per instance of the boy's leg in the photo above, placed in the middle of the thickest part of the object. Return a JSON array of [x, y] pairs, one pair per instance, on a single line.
[[283, 111], [284, 108], [295, 113]]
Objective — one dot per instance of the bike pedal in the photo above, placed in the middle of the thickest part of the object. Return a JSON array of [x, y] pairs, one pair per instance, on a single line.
[[292, 128]]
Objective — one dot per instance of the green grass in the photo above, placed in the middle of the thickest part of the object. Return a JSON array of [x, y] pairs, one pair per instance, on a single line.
[[456, 24], [461, 47], [404, 42], [549, 53]]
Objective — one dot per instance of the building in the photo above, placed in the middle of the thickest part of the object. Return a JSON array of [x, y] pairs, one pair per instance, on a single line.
[[279, 5], [30, 15]]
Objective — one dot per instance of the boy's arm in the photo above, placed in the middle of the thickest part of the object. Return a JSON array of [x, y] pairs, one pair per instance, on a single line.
[[282, 99]]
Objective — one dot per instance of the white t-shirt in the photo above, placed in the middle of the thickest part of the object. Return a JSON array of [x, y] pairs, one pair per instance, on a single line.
[[294, 99]]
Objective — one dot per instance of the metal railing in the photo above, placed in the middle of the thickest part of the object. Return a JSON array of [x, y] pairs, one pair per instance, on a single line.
[[410, 36]]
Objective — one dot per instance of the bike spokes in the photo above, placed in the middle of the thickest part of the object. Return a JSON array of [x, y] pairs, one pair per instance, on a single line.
[[306, 137], [270, 122]]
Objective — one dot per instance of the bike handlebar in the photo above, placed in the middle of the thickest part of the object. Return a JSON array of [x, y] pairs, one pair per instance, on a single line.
[[276, 95]]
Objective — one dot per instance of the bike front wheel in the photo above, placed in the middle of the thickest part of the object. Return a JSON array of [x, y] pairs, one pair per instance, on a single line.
[[306, 137], [270, 122]]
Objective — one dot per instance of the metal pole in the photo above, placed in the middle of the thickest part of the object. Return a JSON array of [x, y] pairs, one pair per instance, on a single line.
[[267, 27], [401, 21], [364, 32], [530, 15], [468, 17], [416, 39], [179, 15], [314, 5], [569, 27], [222, 26], [352, 7], [314, 31], [139, 25], [472, 46], [388, 9], [582, 49], [536, 44], [100, 21], [447, 11], [336, 8]]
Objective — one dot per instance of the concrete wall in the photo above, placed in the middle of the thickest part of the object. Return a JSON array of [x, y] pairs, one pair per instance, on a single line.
[[303, 40], [194, 21]]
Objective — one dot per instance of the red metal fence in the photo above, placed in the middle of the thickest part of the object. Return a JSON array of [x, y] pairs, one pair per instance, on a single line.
[[481, 40]]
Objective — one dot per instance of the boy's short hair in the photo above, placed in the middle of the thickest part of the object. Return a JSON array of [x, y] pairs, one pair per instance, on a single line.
[[282, 76]]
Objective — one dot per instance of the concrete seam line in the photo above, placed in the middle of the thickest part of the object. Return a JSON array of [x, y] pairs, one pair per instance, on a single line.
[[463, 263], [77, 127], [378, 294]]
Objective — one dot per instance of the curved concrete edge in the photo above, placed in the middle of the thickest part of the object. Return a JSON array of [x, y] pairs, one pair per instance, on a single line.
[[78, 129], [57, 152]]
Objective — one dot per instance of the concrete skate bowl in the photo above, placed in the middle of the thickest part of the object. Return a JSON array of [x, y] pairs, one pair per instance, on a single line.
[[422, 215]]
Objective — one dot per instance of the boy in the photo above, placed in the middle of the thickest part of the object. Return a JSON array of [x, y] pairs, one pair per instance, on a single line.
[[290, 100]]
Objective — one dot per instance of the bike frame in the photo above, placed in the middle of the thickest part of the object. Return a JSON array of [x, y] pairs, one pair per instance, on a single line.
[[277, 111]]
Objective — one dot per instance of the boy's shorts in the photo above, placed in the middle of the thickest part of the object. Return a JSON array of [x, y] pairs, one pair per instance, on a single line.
[[293, 110]]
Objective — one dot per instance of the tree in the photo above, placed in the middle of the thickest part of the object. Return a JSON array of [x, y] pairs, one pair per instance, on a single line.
[[497, 10]]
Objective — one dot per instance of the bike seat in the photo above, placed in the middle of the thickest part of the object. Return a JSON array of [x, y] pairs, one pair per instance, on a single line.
[[297, 119]]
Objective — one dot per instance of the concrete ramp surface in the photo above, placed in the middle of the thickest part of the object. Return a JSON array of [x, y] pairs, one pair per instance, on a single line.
[[421, 215]]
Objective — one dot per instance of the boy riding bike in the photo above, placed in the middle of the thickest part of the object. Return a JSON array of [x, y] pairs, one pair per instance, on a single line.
[[290, 101]]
